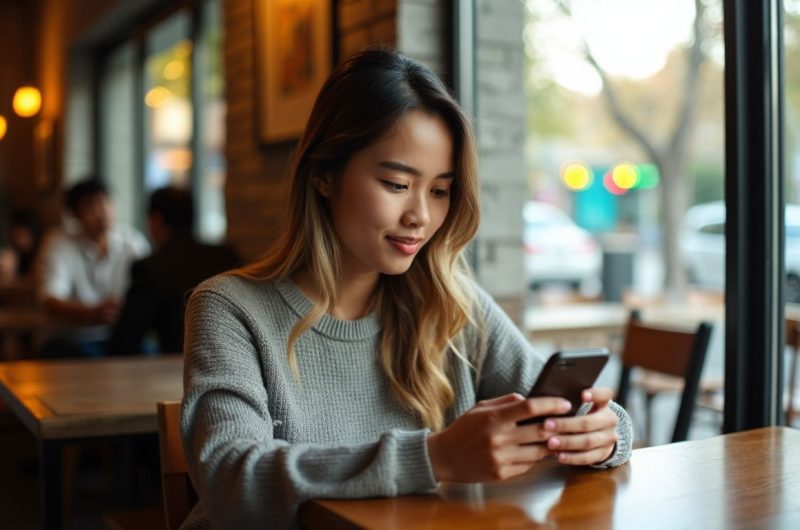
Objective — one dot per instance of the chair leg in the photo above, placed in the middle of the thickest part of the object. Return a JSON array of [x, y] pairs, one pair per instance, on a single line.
[[790, 412], [71, 457], [648, 412]]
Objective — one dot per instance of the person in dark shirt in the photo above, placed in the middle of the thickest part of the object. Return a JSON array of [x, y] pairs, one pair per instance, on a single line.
[[161, 283], [23, 238]]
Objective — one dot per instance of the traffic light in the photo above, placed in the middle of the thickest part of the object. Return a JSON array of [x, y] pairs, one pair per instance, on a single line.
[[577, 176]]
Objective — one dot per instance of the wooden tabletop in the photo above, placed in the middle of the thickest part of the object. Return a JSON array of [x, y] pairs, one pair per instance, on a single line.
[[570, 325], [90, 397], [743, 480]]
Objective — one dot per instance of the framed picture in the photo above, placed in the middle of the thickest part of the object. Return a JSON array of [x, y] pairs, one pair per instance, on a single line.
[[293, 58]]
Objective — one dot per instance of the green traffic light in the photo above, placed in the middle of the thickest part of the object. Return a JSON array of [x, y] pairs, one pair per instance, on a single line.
[[650, 176]]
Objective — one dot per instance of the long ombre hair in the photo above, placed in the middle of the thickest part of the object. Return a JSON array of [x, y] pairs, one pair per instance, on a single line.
[[424, 309]]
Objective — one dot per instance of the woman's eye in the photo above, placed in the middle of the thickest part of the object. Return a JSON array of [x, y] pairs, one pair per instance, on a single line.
[[394, 186], [439, 192]]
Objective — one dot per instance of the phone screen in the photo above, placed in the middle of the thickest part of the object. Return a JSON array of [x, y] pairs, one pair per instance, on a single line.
[[566, 374]]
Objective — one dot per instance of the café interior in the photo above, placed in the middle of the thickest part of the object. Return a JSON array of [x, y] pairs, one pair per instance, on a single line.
[[594, 180]]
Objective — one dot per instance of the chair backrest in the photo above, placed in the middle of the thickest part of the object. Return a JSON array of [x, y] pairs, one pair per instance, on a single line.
[[669, 351], [179, 495], [793, 341]]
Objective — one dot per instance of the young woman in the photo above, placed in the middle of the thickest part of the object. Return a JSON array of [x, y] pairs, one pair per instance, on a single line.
[[357, 358]]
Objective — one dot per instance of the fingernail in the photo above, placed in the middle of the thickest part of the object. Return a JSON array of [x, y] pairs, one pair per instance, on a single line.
[[553, 443], [565, 406], [549, 425], [587, 396], [562, 457]]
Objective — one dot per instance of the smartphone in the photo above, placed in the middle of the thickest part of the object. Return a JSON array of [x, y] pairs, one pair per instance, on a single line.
[[566, 374]]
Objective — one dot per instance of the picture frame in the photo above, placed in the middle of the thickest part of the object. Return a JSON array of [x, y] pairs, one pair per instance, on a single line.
[[293, 45]]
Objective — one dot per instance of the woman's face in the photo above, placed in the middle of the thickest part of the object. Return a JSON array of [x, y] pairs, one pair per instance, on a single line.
[[393, 196]]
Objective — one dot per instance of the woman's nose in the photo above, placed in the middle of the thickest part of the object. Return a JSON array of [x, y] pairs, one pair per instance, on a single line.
[[417, 213]]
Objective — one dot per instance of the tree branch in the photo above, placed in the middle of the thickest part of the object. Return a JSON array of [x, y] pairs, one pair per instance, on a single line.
[[610, 95], [691, 81]]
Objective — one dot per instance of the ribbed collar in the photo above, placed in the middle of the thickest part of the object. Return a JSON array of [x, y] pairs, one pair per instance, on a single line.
[[344, 330]]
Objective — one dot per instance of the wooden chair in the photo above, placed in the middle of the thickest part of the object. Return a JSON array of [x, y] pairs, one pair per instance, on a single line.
[[714, 401], [793, 342], [679, 354], [179, 495]]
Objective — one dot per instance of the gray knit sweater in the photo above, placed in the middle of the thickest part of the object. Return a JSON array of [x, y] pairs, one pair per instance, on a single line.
[[259, 444]]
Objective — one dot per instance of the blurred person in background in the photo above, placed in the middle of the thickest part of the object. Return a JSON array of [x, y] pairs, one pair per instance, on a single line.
[[8, 264], [83, 272], [162, 282], [23, 238]]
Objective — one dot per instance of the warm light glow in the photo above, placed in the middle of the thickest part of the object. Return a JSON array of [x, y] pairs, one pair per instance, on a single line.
[[183, 48], [3, 126], [178, 159], [27, 101], [156, 96], [625, 176], [577, 176], [173, 70]]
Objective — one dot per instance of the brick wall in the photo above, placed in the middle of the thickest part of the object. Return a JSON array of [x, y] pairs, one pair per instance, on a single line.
[[365, 22], [256, 180]]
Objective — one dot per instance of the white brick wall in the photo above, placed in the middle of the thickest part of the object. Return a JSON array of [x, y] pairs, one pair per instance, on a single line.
[[501, 136]]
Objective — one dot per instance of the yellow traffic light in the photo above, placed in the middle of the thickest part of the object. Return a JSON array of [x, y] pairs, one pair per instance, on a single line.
[[577, 176], [626, 176]]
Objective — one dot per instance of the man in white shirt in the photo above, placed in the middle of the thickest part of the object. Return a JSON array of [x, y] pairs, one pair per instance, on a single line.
[[84, 272]]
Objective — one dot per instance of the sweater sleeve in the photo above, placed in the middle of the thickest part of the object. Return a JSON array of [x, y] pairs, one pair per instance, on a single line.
[[510, 364], [243, 475]]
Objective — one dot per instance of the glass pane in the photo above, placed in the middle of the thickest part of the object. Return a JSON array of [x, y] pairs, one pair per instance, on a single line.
[[168, 106], [792, 164], [210, 186], [626, 139], [117, 121]]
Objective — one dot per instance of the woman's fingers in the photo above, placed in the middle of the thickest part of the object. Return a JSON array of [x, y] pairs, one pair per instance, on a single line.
[[603, 418], [599, 396], [502, 400], [532, 407], [584, 458], [582, 442], [528, 434]]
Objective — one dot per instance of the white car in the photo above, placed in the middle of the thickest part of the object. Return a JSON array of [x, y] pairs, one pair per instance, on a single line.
[[702, 247], [558, 250]]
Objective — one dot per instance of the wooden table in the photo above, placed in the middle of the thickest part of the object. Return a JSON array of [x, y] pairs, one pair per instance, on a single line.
[[65, 401], [580, 324], [743, 480]]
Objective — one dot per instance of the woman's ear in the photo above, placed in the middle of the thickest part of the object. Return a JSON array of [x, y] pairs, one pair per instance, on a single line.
[[323, 184]]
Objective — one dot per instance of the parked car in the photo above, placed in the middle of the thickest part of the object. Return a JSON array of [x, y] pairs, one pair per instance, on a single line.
[[558, 250], [702, 247]]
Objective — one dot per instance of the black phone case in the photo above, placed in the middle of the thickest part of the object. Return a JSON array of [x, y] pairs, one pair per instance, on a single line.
[[566, 374]]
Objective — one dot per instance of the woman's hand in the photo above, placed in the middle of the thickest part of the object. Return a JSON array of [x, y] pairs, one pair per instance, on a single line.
[[584, 440], [486, 443]]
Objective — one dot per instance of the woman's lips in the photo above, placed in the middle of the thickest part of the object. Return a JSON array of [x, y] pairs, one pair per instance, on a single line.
[[408, 246]]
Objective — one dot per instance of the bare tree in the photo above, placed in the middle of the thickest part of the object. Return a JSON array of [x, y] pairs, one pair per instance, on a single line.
[[670, 156]]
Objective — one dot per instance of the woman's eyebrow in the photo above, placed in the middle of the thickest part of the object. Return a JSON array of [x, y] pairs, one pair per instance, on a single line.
[[398, 166]]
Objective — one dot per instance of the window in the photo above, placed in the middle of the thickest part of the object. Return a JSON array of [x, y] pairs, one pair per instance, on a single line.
[[625, 134], [162, 116]]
